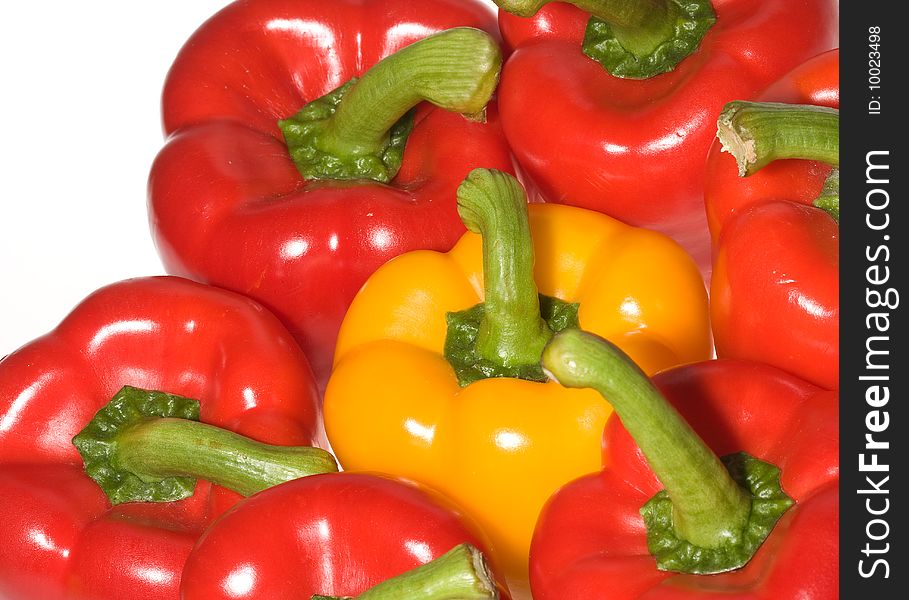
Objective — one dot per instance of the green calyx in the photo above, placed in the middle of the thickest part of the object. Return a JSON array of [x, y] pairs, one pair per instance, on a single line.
[[712, 515], [460, 574], [461, 342], [359, 130], [504, 335], [829, 198], [768, 503], [97, 444], [635, 39], [148, 446], [648, 43], [301, 133], [758, 133]]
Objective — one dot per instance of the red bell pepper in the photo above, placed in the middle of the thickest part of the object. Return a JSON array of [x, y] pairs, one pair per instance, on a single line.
[[333, 535], [64, 540], [715, 530], [358, 531], [775, 285], [300, 229], [635, 148]]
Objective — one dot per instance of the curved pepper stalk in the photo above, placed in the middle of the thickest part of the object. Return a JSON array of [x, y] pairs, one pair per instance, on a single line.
[[713, 515], [758, 133], [227, 204], [503, 336], [359, 130], [502, 445], [780, 219], [148, 446]]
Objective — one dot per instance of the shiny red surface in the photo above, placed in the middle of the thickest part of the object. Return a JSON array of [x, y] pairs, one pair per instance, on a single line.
[[63, 540], [775, 286], [334, 534], [590, 541], [635, 149], [228, 207]]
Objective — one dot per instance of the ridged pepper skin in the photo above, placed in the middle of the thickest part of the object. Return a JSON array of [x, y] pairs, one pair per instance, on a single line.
[[227, 205], [337, 534], [590, 542], [776, 257], [499, 447], [635, 148], [60, 538]]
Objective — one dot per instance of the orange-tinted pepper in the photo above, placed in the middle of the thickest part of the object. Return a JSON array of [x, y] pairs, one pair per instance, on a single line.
[[501, 446]]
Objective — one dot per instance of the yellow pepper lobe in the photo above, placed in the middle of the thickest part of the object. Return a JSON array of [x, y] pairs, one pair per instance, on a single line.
[[500, 447]]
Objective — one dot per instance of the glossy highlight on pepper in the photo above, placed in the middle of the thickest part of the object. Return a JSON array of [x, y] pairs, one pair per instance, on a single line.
[[775, 287], [227, 203], [334, 535], [66, 541], [635, 148], [597, 532], [501, 445]]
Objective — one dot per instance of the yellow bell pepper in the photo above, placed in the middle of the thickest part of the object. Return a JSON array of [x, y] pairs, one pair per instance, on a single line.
[[500, 446]]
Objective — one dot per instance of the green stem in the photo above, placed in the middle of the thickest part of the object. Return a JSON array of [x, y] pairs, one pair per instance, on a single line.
[[512, 332], [352, 133], [712, 516], [829, 198], [167, 447], [758, 133], [459, 574], [148, 446], [635, 38], [710, 509]]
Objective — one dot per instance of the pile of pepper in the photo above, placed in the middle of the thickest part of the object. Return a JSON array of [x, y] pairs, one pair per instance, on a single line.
[[557, 288]]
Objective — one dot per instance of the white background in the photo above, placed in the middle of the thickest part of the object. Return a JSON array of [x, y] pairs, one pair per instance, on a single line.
[[80, 86]]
